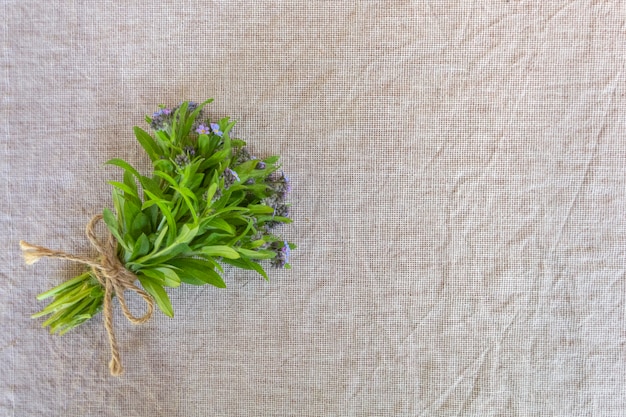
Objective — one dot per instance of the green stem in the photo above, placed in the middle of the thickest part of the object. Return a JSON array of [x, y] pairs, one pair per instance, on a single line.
[[75, 301]]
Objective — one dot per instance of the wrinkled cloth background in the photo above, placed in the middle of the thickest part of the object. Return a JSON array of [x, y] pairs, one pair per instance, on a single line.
[[459, 201]]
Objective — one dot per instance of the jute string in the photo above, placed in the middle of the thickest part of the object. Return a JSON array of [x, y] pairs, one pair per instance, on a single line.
[[111, 274]]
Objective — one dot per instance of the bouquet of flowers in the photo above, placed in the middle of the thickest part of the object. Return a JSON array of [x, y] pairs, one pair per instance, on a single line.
[[208, 203]]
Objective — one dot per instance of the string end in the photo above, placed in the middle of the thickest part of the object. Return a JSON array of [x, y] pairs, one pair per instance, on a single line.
[[31, 253], [115, 366]]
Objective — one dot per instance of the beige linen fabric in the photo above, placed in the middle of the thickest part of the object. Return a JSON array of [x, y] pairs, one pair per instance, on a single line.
[[458, 195]]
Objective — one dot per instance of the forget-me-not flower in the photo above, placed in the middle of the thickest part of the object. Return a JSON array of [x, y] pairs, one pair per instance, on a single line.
[[216, 129], [203, 130]]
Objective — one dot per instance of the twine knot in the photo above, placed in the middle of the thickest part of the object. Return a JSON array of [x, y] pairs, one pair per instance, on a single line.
[[111, 274]]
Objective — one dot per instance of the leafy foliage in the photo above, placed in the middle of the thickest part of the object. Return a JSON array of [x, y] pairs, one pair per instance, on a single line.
[[207, 202]]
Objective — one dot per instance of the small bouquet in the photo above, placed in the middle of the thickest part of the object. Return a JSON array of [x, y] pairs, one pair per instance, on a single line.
[[207, 203]]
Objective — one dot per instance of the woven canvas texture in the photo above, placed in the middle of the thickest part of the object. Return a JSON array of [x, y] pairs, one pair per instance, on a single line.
[[458, 197]]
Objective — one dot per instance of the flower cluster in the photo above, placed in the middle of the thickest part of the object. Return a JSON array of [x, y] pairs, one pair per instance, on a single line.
[[213, 128], [276, 185], [282, 254], [257, 175], [279, 185], [230, 177], [163, 118]]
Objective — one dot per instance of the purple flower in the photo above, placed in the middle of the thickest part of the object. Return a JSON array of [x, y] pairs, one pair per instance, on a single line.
[[282, 255], [241, 156], [203, 130], [286, 184], [216, 129], [182, 160], [162, 112], [230, 177], [190, 150], [282, 210], [280, 184], [161, 118], [233, 173], [191, 106]]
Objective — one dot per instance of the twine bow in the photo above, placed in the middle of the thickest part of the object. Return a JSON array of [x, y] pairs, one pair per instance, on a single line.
[[111, 274]]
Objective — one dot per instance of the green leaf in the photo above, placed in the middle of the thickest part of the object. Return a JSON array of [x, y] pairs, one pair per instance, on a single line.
[[226, 125], [71, 313], [163, 139], [178, 121], [131, 211], [129, 181], [64, 287], [249, 226], [257, 254], [197, 272], [118, 203], [163, 165], [211, 192], [219, 250], [186, 234], [163, 255], [190, 175], [211, 239], [216, 158], [204, 144], [124, 165], [171, 278], [260, 209], [140, 224], [247, 264], [158, 293], [263, 219], [129, 191], [148, 144], [238, 143], [153, 217], [165, 210], [259, 190], [219, 224], [114, 227], [184, 191], [152, 186], [141, 248], [162, 275], [271, 160], [166, 177], [65, 319], [62, 301], [180, 245], [159, 239], [257, 243], [244, 169], [236, 200], [187, 196]]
